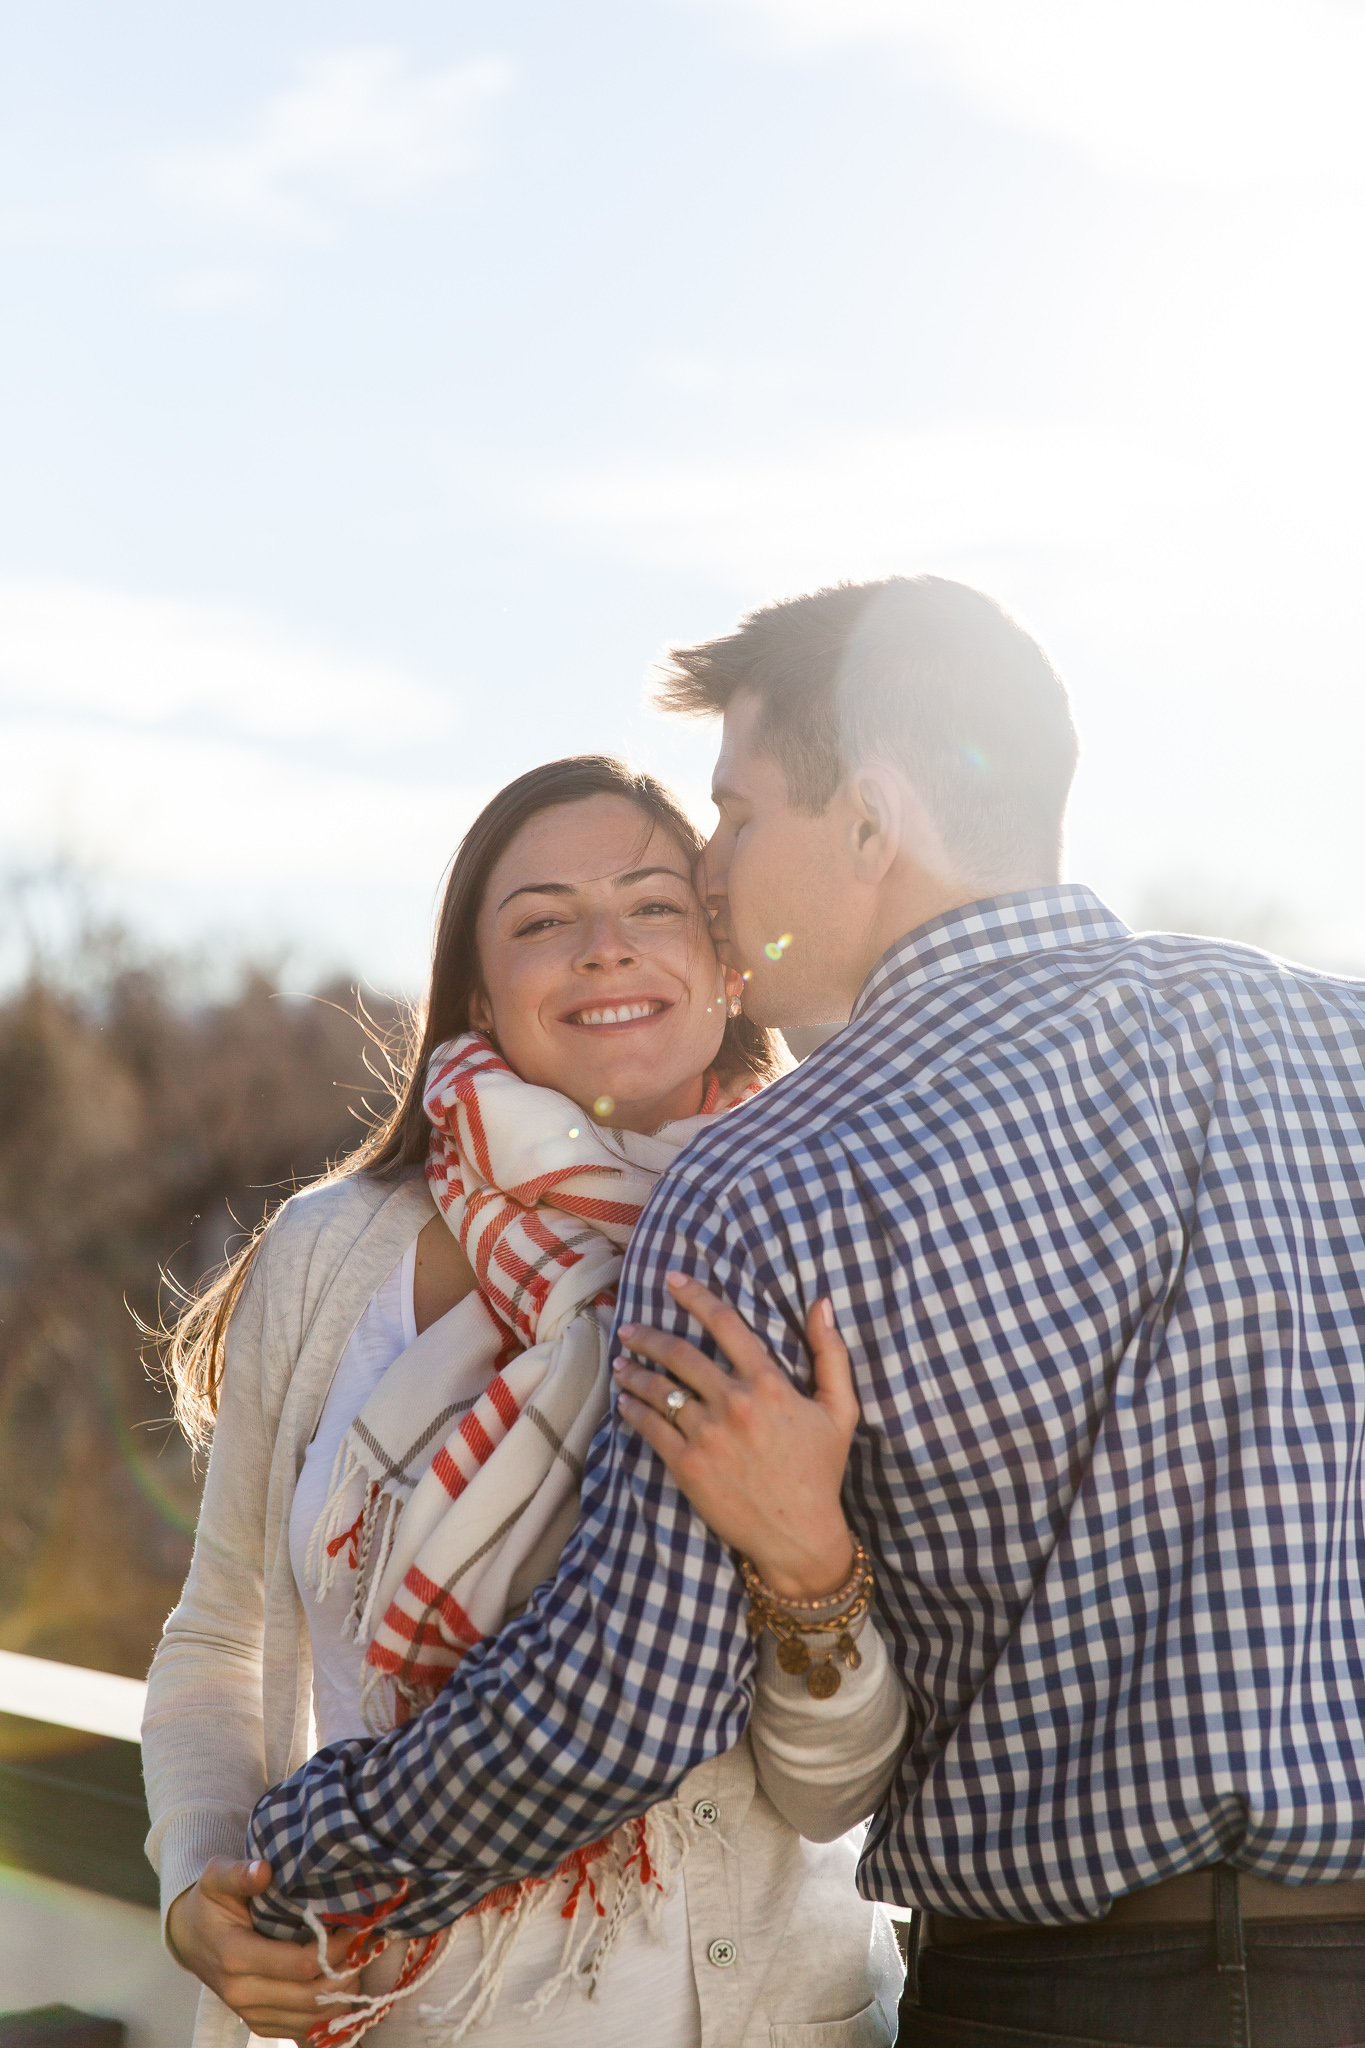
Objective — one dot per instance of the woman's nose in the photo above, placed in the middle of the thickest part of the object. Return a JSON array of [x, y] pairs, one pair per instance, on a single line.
[[608, 946]]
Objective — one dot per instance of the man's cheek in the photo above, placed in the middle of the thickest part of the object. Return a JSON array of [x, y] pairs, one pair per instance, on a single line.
[[751, 893]]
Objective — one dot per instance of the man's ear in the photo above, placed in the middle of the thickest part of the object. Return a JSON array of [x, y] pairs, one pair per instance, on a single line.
[[877, 820], [890, 821]]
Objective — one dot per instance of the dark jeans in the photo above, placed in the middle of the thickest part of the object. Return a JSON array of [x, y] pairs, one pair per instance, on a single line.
[[1174, 1984]]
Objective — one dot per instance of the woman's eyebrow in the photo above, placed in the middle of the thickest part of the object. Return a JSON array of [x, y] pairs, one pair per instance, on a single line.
[[538, 889], [568, 889], [642, 874]]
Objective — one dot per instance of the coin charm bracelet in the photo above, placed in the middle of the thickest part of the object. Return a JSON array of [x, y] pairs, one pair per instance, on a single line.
[[832, 1622]]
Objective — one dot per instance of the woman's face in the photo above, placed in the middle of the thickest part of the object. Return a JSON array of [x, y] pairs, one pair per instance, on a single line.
[[599, 976]]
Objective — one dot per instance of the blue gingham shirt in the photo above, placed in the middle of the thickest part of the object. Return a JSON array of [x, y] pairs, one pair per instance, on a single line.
[[1089, 1208]]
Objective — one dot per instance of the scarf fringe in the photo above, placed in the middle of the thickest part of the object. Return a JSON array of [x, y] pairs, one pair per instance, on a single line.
[[367, 1943], [330, 1537], [383, 1699], [636, 1867], [369, 1539], [424, 1955]]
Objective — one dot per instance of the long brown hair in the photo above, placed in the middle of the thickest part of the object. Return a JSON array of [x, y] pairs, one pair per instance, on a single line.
[[192, 1345]]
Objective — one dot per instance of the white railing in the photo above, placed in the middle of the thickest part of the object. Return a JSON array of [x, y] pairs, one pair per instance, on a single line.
[[69, 1696]]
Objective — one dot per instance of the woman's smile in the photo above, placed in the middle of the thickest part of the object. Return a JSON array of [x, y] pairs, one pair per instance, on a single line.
[[627, 1013]]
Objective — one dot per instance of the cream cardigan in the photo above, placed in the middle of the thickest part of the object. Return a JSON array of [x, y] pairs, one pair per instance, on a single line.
[[786, 1954]]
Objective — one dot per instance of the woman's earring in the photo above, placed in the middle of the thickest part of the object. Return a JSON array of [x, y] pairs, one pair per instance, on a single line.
[[736, 1006]]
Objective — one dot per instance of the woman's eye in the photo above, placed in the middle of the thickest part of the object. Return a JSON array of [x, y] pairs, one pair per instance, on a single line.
[[661, 910], [537, 924]]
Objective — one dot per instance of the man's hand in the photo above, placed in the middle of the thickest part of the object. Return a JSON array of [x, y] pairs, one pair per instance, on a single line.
[[761, 1462], [272, 1985]]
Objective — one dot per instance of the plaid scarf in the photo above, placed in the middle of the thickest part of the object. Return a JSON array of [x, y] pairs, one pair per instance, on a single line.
[[471, 1448]]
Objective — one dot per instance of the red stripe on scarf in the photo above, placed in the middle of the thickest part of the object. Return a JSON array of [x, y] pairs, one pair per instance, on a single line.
[[449, 1473], [593, 1210], [468, 1094], [438, 1601], [529, 1192], [408, 1665], [503, 1400], [477, 1437], [540, 1234]]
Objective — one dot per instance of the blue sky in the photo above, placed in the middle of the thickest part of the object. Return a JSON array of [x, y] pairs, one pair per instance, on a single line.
[[382, 388]]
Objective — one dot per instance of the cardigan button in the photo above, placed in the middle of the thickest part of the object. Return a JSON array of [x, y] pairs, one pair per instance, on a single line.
[[707, 1812], [722, 1953]]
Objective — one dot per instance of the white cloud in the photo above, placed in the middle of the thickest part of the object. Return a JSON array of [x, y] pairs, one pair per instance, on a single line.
[[868, 505], [157, 806], [693, 373], [361, 125], [1215, 94], [223, 848], [202, 290], [137, 660], [214, 772]]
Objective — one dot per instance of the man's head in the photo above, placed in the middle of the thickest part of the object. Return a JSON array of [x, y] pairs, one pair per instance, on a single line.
[[891, 751]]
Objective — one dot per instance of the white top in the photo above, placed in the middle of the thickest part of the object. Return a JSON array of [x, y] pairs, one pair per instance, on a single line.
[[647, 1971], [780, 1941], [387, 1328]]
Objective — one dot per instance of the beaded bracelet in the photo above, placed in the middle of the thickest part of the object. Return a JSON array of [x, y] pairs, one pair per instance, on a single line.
[[827, 1603], [791, 1621]]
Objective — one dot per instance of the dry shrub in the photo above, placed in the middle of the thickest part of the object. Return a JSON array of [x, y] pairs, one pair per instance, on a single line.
[[138, 1119]]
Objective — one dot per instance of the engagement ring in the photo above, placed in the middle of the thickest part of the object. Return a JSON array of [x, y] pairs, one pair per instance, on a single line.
[[675, 1402]]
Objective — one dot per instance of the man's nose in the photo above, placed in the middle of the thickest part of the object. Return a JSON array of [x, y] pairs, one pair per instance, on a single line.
[[709, 880]]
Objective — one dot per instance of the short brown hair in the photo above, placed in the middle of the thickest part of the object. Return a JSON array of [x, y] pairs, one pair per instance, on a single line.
[[932, 676]]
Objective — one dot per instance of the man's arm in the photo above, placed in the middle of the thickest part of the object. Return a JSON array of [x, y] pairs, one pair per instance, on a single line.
[[630, 1668]]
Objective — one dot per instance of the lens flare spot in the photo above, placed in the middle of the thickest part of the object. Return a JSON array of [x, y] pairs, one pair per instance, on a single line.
[[775, 948], [573, 1133], [603, 1106]]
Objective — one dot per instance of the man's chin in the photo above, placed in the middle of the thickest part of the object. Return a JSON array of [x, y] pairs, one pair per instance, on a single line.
[[776, 1008]]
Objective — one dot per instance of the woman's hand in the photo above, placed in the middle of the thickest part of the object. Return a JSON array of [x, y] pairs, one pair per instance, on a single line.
[[272, 1985], [761, 1462]]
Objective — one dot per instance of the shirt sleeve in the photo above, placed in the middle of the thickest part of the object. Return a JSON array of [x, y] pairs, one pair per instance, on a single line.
[[632, 1666], [203, 1752]]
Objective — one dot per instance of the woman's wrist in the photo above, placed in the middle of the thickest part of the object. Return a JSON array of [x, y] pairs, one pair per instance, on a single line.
[[168, 1929], [812, 1635], [814, 1571]]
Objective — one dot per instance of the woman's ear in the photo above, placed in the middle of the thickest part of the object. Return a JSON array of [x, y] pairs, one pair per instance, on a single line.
[[481, 1013], [734, 990]]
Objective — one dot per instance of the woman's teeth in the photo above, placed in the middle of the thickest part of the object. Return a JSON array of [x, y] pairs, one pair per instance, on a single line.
[[624, 1013]]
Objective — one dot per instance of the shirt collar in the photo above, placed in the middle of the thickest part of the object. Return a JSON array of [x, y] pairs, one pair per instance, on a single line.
[[998, 928]]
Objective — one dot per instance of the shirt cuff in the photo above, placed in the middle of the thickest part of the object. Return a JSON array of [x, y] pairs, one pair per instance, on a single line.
[[186, 1844]]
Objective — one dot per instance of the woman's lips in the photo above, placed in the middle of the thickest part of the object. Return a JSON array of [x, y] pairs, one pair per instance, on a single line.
[[622, 1015]]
